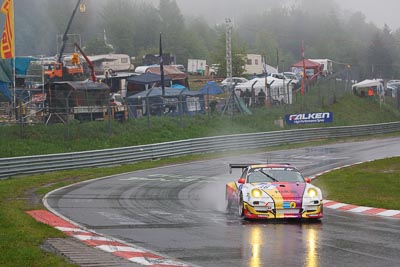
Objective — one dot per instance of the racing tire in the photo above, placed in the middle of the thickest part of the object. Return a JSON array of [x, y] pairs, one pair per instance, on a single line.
[[228, 202], [241, 206]]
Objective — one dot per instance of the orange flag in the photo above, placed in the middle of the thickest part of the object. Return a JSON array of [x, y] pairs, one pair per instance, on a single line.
[[7, 40]]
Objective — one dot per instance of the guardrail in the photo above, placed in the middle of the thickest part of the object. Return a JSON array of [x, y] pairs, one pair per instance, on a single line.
[[107, 157]]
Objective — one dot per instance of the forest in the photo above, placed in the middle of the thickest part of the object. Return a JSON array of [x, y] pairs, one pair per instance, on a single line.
[[132, 27]]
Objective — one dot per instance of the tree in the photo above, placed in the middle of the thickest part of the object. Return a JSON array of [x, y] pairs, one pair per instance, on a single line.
[[239, 52], [379, 58], [97, 46], [173, 28]]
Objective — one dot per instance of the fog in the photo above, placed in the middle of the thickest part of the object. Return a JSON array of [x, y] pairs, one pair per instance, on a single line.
[[377, 12]]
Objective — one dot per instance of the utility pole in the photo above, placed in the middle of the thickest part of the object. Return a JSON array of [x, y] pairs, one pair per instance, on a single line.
[[229, 51], [228, 35]]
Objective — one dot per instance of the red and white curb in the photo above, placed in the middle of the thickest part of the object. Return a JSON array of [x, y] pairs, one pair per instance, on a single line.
[[361, 209], [357, 209], [118, 248]]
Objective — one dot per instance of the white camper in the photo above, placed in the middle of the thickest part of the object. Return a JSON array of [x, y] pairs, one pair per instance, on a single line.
[[111, 63], [196, 66]]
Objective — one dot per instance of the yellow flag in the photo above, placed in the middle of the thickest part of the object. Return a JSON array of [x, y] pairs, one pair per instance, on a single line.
[[7, 40]]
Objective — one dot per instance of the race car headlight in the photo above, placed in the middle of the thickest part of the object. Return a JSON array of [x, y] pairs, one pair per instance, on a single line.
[[312, 192], [256, 193]]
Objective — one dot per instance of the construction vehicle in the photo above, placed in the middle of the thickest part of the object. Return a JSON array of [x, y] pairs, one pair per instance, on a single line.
[[61, 69], [75, 59]]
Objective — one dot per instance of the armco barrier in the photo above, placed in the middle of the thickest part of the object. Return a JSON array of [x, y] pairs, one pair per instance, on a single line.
[[106, 157]]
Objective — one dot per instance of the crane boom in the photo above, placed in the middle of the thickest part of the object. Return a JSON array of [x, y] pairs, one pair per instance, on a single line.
[[90, 64], [65, 36]]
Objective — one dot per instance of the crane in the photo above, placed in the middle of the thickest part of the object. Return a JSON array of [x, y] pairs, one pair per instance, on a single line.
[[58, 70], [89, 62]]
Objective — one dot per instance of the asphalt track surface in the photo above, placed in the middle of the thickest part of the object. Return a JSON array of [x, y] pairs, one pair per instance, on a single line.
[[179, 211]]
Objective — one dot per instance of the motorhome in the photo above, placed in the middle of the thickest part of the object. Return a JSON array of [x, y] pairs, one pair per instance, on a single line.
[[111, 63]]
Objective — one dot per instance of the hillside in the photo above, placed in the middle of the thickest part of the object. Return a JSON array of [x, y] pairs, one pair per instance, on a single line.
[[59, 138]]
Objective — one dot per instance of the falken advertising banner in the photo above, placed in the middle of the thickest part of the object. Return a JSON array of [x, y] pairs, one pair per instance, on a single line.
[[315, 117]]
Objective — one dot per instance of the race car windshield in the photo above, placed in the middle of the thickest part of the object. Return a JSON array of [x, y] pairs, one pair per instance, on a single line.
[[260, 175]]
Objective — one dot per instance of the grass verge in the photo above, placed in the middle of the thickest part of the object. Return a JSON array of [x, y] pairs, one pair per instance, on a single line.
[[371, 184]]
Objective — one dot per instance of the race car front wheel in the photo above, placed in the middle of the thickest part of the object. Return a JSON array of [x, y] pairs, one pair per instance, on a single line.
[[241, 206]]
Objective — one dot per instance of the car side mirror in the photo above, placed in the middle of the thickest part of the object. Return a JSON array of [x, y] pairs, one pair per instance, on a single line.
[[308, 180], [242, 181]]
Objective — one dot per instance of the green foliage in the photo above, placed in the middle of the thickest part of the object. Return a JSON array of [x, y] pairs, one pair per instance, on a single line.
[[133, 28], [97, 46]]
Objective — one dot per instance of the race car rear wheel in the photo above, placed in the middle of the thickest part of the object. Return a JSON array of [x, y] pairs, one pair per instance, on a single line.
[[228, 201], [241, 206]]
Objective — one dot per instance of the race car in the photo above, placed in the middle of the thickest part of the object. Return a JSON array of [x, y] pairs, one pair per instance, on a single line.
[[273, 191]]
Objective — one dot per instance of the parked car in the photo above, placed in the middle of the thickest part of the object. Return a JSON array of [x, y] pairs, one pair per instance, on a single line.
[[213, 71], [232, 81]]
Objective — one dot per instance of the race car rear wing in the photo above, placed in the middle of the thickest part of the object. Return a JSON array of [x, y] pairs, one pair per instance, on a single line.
[[238, 166], [245, 165]]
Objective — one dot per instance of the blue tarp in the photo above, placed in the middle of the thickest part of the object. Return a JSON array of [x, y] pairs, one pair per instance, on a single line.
[[6, 66], [211, 88], [178, 86], [22, 64], [5, 91]]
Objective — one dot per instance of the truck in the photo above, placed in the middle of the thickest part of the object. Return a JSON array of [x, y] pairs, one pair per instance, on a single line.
[[327, 65], [65, 69], [196, 66]]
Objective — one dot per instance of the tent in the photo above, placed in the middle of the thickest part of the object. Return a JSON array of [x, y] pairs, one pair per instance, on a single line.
[[147, 78], [312, 67], [173, 72], [362, 87], [174, 102], [280, 90], [143, 82], [211, 88]]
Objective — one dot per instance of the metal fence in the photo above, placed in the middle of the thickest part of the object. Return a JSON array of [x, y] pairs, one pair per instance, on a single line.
[[107, 157]]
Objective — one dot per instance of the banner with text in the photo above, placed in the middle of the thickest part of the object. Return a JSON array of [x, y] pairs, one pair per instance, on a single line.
[[315, 117]]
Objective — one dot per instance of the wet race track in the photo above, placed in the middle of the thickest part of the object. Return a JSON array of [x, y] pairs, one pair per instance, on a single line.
[[179, 211]]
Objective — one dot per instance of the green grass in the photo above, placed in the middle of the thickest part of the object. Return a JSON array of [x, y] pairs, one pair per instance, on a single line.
[[372, 184]]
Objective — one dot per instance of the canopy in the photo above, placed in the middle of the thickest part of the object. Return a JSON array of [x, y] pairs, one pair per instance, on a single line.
[[308, 63], [211, 88], [367, 83], [174, 102], [169, 70], [168, 92], [147, 78], [362, 87], [259, 83]]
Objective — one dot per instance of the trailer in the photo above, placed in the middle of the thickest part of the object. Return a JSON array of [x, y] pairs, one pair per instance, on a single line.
[[197, 66], [82, 101]]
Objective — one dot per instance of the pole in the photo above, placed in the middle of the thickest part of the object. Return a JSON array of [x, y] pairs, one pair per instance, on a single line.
[[304, 69], [162, 69]]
